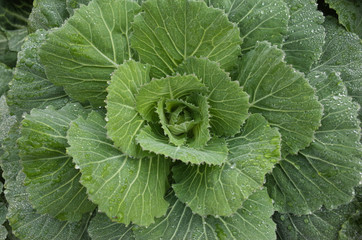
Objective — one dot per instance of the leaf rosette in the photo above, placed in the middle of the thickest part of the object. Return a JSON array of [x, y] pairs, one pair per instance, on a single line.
[[176, 116]]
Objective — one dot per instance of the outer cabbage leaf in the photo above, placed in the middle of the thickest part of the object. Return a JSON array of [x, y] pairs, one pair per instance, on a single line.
[[282, 95], [30, 87], [81, 55], [124, 121], [221, 190], [51, 179], [169, 31], [6, 76], [125, 189], [251, 222], [25, 222], [228, 102], [262, 20], [322, 224], [47, 14], [305, 37], [349, 14], [342, 53], [101, 228], [326, 172], [215, 152]]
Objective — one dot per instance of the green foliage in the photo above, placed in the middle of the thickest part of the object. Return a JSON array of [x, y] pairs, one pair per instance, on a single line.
[[179, 119]]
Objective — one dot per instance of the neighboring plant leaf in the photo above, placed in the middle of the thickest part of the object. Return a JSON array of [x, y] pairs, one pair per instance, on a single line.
[[6, 121], [251, 222], [30, 87], [262, 20], [124, 121], [352, 228], [16, 38], [228, 102], [6, 74], [282, 95], [214, 153], [6, 56], [51, 179], [342, 53], [47, 14], [81, 55], [14, 14], [326, 172], [25, 222], [189, 29], [74, 4], [135, 188], [322, 224], [349, 14], [221, 190], [102, 228], [305, 37]]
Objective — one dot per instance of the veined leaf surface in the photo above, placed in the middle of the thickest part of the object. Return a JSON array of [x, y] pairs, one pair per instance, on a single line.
[[282, 95], [169, 31], [326, 172], [261, 20], [51, 179], [81, 55], [126, 189], [251, 222], [221, 190]]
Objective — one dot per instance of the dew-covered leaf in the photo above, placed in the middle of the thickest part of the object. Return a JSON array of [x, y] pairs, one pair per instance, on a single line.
[[124, 122], [82, 54], [126, 189], [101, 227], [168, 32], [30, 87], [342, 53], [326, 172], [228, 102], [221, 190], [349, 14], [305, 37], [51, 179], [322, 224], [47, 14], [25, 222], [262, 20], [251, 222], [281, 94], [215, 152]]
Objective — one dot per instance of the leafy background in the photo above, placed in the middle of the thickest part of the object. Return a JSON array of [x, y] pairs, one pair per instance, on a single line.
[[315, 193]]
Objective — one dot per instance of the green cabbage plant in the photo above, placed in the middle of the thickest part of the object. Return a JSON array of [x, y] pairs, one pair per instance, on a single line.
[[181, 119]]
